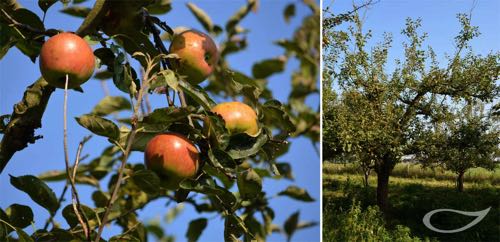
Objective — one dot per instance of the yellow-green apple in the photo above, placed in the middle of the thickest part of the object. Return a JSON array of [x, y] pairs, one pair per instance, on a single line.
[[198, 55], [173, 157], [66, 54], [239, 117]]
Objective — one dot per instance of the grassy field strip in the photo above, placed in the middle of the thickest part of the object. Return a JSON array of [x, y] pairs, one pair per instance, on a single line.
[[416, 171], [429, 182]]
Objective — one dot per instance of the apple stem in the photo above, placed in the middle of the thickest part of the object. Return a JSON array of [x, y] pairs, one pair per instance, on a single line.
[[182, 98], [74, 194]]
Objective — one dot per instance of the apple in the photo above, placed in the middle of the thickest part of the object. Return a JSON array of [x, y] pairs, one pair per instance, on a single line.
[[198, 55], [66, 54], [173, 157], [239, 117]]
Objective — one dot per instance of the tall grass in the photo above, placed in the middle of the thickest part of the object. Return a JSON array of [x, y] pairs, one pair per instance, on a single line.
[[345, 197], [411, 170]]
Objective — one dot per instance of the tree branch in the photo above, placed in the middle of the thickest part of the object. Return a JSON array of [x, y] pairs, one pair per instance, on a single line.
[[27, 114], [25, 118]]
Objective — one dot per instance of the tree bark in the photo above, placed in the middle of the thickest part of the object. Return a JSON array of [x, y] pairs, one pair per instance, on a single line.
[[460, 181], [383, 172], [366, 173]]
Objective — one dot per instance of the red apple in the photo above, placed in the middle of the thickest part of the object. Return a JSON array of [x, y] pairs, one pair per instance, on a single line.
[[173, 157], [198, 55], [66, 54], [239, 117]]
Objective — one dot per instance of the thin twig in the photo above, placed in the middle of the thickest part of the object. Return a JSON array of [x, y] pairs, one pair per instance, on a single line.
[[78, 152], [59, 201], [161, 47], [144, 86], [182, 98], [24, 26], [74, 194], [148, 104]]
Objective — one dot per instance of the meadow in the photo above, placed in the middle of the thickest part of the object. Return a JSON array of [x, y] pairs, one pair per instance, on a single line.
[[350, 213]]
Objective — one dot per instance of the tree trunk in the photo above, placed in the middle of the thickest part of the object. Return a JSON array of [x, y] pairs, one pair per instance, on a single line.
[[366, 176], [383, 173], [460, 181]]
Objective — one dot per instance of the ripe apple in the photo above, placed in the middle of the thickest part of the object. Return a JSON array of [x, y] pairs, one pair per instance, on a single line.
[[198, 55], [66, 54], [173, 157], [239, 117]]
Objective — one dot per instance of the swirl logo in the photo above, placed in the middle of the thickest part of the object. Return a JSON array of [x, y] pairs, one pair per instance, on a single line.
[[478, 214]]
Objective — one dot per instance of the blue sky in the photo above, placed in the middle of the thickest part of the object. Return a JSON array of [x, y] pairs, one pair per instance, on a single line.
[[267, 25], [438, 20]]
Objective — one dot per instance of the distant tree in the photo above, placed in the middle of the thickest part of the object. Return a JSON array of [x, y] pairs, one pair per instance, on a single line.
[[467, 140], [379, 114]]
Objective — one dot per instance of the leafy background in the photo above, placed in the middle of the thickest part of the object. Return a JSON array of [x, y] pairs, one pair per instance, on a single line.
[[266, 26]]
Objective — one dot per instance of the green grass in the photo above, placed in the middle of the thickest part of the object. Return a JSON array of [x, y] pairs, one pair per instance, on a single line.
[[412, 193], [408, 170]]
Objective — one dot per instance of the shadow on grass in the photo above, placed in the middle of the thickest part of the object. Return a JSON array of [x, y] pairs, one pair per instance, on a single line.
[[411, 199]]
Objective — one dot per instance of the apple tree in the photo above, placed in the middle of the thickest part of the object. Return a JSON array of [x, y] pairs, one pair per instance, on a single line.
[[212, 156], [466, 139], [375, 114]]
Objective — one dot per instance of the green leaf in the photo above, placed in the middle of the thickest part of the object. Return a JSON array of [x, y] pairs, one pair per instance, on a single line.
[[140, 141], [38, 191], [23, 236], [165, 78], [7, 40], [289, 12], [155, 229], [103, 75], [216, 131], [234, 227], [285, 170], [160, 7], [291, 225], [124, 237], [28, 43], [197, 94], [195, 229], [219, 158], [147, 181], [304, 225], [276, 115], [245, 85], [249, 184], [268, 67], [160, 119], [243, 145], [297, 193], [56, 234], [111, 104], [19, 215], [124, 76], [99, 126], [46, 4], [76, 11], [106, 56], [5, 229], [201, 16], [238, 16], [69, 215], [206, 185], [100, 198]]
